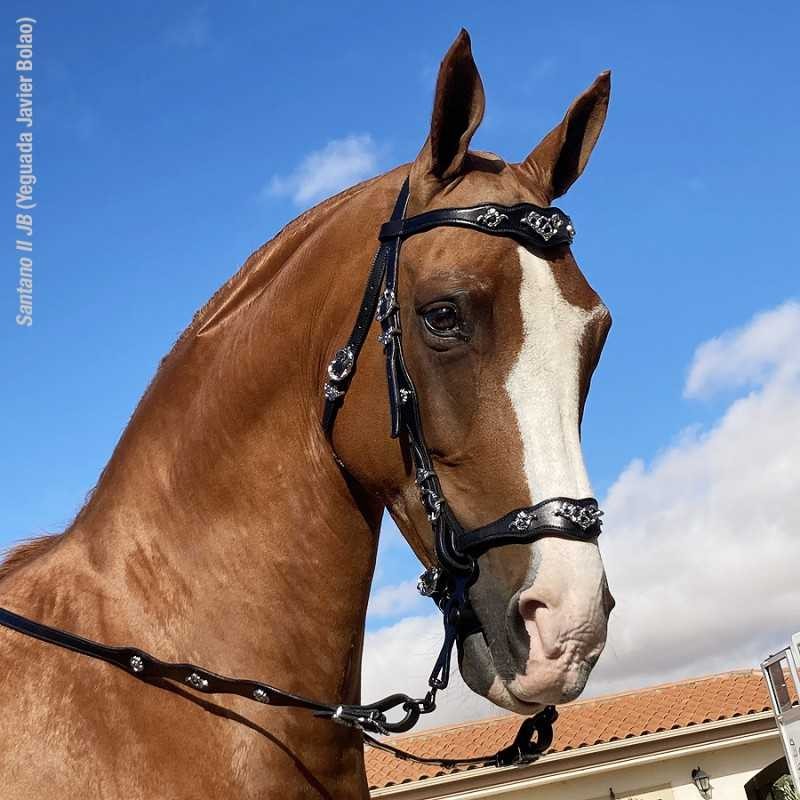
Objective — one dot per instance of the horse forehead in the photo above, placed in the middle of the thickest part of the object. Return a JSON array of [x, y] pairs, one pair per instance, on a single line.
[[489, 179]]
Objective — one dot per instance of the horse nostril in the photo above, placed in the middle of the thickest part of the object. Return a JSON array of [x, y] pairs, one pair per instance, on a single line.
[[542, 623], [528, 606]]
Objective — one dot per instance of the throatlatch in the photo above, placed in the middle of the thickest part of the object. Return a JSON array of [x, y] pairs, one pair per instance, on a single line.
[[448, 581]]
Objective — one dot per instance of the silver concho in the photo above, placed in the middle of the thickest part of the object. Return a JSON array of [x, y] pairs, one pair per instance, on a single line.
[[386, 305], [428, 583], [546, 227], [342, 364], [137, 663], [331, 392], [405, 395], [492, 217], [583, 516], [523, 521], [260, 695], [195, 681]]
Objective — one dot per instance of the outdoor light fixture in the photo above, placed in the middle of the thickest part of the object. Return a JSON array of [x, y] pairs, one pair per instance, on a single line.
[[701, 781]]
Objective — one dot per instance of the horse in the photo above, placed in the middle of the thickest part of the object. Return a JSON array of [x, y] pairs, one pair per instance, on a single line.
[[227, 529]]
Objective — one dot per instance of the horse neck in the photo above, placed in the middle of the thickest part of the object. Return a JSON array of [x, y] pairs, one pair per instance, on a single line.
[[221, 531]]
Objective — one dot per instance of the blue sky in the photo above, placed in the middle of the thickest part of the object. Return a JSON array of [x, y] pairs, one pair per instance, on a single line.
[[170, 143]]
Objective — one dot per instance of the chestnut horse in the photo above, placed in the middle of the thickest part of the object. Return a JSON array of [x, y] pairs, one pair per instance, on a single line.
[[223, 530]]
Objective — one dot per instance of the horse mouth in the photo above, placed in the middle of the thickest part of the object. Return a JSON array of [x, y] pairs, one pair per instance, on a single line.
[[480, 673], [502, 694]]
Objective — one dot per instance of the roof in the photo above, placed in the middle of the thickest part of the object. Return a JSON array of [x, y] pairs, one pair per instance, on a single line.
[[582, 724]]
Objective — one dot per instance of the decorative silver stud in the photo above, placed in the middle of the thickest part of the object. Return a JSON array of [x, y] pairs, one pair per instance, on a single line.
[[260, 695], [546, 227], [196, 682], [430, 499], [434, 506], [342, 364], [405, 394], [570, 229], [331, 392], [384, 337], [428, 583], [386, 305], [523, 521], [491, 218], [582, 516], [137, 663], [423, 475]]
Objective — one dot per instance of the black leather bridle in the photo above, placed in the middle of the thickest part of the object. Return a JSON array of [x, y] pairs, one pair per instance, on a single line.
[[448, 581]]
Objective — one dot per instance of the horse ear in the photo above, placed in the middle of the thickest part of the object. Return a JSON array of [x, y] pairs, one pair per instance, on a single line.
[[558, 160], [457, 111]]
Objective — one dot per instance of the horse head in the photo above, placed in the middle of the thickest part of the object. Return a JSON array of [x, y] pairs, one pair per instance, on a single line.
[[501, 339]]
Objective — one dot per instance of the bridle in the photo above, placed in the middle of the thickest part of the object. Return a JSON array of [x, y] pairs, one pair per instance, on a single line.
[[448, 581]]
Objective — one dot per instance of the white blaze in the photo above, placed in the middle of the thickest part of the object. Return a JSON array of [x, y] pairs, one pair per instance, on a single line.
[[544, 384]]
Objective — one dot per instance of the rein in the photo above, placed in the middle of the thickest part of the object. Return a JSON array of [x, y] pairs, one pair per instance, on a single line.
[[448, 581]]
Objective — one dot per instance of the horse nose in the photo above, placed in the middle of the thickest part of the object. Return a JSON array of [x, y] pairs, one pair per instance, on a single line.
[[563, 615]]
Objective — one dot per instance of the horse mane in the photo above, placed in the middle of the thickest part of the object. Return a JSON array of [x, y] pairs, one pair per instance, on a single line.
[[262, 265], [27, 550]]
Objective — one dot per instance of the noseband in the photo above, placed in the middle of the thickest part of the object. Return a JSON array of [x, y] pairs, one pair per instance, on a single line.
[[448, 581]]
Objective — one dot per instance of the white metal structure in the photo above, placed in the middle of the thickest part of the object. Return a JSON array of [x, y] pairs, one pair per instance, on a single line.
[[778, 669]]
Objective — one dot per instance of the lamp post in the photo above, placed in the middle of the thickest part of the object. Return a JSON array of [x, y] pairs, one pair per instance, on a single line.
[[701, 781]]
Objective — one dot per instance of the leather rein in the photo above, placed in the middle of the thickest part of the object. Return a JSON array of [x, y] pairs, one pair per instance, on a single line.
[[449, 580]]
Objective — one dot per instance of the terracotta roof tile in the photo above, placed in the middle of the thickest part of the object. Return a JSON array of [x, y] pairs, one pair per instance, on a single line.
[[582, 724]]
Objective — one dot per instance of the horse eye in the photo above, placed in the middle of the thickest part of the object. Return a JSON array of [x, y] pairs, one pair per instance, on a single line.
[[443, 320]]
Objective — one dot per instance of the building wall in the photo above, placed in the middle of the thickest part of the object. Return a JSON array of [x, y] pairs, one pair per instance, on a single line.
[[670, 779]]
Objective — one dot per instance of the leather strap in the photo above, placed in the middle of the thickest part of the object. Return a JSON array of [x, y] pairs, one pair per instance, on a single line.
[[369, 718], [523, 750], [144, 666], [525, 222], [558, 516], [342, 367]]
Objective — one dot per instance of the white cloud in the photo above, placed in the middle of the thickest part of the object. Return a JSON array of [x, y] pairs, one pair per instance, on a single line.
[[337, 165], [394, 600], [745, 355], [399, 658], [701, 546]]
